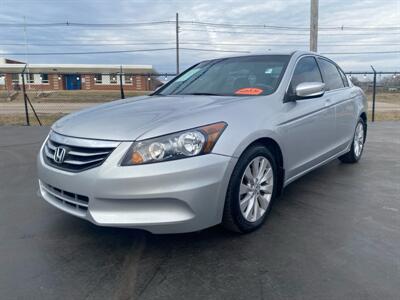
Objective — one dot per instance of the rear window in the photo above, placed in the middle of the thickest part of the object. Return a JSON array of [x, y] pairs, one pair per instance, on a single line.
[[331, 75], [344, 77]]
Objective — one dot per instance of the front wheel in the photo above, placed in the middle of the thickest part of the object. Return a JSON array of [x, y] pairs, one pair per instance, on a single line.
[[357, 145], [251, 190]]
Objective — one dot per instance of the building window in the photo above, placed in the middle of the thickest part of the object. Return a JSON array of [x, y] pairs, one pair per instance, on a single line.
[[15, 78], [113, 78], [128, 79], [30, 78], [98, 78], [44, 78]]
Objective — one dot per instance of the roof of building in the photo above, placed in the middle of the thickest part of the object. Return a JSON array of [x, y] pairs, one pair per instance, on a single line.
[[10, 66]]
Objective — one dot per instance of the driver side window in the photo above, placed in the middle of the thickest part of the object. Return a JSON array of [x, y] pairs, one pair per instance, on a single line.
[[306, 71]]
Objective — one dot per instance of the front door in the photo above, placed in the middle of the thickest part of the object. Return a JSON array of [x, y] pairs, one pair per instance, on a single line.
[[72, 82], [309, 125]]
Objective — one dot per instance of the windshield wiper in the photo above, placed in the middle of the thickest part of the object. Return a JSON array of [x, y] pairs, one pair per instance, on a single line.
[[202, 94]]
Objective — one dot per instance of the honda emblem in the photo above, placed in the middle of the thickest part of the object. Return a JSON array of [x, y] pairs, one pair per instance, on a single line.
[[59, 155]]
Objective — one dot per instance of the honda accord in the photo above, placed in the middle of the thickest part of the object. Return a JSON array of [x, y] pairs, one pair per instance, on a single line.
[[217, 144]]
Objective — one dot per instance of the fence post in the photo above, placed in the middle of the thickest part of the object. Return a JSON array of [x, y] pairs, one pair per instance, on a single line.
[[373, 95], [25, 100], [120, 84]]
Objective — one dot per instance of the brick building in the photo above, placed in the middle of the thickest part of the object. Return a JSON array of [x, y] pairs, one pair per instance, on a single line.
[[76, 76]]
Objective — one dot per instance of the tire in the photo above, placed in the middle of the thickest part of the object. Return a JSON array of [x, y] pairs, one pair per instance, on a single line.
[[355, 152], [257, 190]]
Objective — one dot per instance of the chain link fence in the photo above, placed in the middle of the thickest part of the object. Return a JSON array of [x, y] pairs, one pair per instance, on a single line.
[[38, 98], [383, 92]]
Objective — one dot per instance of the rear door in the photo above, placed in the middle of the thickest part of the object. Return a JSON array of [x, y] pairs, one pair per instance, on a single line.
[[308, 126], [337, 88]]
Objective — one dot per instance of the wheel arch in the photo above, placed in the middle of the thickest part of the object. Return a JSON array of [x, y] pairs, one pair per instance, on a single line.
[[363, 116], [272, 145]]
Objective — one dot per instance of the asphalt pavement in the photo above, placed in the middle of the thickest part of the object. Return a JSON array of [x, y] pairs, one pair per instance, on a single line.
[[334, 234]]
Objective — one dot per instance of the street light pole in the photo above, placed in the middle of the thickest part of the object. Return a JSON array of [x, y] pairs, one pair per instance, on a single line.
[[314, 26]]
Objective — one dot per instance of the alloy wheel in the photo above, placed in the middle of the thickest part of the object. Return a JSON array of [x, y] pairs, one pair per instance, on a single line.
[[358, 142], [256, 189]]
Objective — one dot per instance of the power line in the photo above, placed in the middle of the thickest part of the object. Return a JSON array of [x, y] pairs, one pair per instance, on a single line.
[[36, 40], [260, 42], [88, 45], [297, 28], [75, 24], [119, 42], [195, 23], [120, 51], [243, 32], [360, 53], [188, 49], [260, 32], [266, 44], [287, 33]]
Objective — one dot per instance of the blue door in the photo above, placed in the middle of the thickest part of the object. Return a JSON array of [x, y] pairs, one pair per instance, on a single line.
[[72, 82]]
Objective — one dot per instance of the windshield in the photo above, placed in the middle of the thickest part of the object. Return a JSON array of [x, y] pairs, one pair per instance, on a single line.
[[237, 76]]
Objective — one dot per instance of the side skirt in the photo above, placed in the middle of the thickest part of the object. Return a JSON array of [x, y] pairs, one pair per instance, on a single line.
[[290, 180]]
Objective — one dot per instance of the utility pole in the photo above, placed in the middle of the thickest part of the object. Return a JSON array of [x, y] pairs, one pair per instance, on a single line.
[[26, 53], [177, 43], [314, 26]]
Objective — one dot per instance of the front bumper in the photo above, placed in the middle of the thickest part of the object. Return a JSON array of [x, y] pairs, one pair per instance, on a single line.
[[169, 197]]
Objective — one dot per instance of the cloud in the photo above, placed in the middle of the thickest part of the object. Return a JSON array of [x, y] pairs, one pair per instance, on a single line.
[[274, 12]]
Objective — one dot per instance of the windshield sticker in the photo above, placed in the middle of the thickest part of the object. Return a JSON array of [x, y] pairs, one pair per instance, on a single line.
[[249, 91]]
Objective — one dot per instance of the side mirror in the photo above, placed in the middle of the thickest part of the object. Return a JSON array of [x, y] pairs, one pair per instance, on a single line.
[[310, 90]]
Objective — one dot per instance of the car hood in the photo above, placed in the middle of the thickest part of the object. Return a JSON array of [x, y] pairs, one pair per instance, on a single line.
[[128, 119]]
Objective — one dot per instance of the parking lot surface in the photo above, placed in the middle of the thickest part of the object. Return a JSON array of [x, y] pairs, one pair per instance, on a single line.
[[334, 234]]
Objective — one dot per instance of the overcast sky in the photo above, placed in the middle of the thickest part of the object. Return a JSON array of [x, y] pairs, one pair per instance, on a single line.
[[365, 13]]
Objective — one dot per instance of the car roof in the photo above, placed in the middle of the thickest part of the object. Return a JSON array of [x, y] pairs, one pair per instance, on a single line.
[[280, 52]]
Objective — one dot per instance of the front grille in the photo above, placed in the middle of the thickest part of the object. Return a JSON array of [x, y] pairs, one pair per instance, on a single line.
[[79, 154], [78, 203]]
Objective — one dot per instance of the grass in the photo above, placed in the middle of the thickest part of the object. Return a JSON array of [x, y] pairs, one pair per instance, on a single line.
[[105, 96], [48, 119], [72, 96], [393, 98], [19, 119], [385, 116]]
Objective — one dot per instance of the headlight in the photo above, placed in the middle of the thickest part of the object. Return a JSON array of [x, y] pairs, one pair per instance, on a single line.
[[173, 146]]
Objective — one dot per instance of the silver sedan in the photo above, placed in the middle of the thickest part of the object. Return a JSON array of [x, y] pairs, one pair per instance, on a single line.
[[217, 144]]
